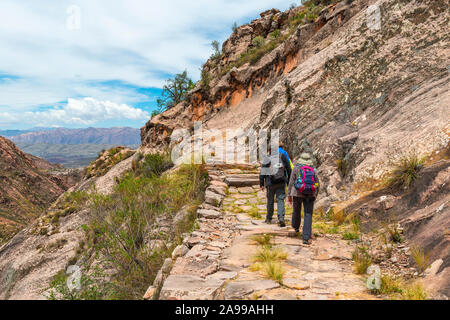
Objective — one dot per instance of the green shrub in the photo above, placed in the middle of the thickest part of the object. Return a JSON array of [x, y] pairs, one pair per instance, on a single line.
[[264, 239], [395, 234], [120, 222], [405, 171], [350, 235], [205, 79], [275, 34], [288, 93], [274, 271], [390, 285], [258, 41], [153, 164], [420, 257], [414, 291], [234, 27], [362, 260], [93, 287]]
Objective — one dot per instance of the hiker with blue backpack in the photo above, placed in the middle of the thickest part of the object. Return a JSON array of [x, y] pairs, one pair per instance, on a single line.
[[274, 176], [303, 189], [282, 151]]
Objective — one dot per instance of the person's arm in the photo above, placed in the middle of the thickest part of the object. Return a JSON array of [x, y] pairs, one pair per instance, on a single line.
[[261, 180], [291, 183], [287, 166], [318, 182]]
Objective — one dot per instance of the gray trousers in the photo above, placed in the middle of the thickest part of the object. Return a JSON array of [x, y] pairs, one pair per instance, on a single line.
[[280, 193], [308, 205]]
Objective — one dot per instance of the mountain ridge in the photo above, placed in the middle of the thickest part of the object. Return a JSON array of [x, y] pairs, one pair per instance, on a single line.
[[91, 135]]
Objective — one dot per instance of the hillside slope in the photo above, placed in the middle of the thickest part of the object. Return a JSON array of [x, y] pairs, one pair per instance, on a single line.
[[28, 186]]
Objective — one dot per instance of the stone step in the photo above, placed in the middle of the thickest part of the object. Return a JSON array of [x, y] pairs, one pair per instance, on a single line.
[[209, 214], [242, 180]]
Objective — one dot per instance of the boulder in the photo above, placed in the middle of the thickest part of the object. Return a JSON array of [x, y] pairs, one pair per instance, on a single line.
[[179, 251], [209, 214], [191, 287], [149, 293], [213, 199]]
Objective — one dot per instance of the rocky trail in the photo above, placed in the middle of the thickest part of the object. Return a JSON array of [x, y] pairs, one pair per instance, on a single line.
[[217, 261]]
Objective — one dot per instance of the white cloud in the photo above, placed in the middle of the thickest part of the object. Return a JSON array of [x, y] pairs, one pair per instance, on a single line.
[[138, 42], [87, 111]]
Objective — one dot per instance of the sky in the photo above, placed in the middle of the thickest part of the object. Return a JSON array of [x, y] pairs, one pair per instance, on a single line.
[[102, 63]]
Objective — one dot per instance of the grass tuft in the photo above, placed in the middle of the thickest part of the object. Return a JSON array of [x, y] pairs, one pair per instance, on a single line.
[[263, 239], [420, 257], [274, 271], [415, 291], [405, 171], [362, 260]]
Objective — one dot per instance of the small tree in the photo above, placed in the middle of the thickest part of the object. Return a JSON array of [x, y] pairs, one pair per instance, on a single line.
[[174, 91], [216, 47], [234, 27]]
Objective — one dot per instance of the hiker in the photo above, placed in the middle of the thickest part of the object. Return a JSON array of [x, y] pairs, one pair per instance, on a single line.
[[303, 189], [275, 173], [282, 151]]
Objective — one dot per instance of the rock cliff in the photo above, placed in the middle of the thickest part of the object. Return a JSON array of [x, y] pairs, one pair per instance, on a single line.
[[28, 186]]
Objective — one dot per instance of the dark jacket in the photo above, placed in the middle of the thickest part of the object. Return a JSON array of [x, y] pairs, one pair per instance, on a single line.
[[265, 181], [292, 191]]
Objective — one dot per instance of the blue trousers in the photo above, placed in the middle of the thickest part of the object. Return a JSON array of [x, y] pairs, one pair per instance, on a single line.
[[308, 205], [280, 194]]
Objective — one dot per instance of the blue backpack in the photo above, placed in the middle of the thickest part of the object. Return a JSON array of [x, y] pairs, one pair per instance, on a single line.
[[306, 182]]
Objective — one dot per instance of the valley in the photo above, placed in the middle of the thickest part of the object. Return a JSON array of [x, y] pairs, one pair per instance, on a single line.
[[368, 104]]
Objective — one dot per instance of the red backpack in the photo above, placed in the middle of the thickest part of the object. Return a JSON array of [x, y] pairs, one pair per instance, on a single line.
[[306, 182]]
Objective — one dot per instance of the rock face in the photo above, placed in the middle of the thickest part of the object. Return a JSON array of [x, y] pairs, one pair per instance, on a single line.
[[28, 186], [335, 88], [354, 95]]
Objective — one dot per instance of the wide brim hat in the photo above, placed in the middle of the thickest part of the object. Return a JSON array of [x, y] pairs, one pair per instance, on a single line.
[[305, 158]]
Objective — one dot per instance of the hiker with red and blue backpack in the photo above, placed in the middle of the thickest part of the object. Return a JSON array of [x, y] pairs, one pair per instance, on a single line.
[[303, 189]]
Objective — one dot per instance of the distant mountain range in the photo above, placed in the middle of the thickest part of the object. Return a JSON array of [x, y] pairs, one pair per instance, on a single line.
[[112, 136]]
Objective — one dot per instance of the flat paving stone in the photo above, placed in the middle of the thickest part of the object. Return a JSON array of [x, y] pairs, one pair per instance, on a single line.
[[240, 289], [246, 190]]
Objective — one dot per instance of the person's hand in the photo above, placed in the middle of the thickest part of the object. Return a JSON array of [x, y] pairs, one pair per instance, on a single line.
[[290, 200], [262, 188]]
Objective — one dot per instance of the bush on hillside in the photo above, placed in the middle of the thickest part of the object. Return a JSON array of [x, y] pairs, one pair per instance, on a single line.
[[121, 223]]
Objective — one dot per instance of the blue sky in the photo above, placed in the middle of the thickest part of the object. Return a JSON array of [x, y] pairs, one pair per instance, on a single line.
[[102, 63]]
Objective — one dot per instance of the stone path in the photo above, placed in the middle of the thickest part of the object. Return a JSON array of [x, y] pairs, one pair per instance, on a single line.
[[217, 260]]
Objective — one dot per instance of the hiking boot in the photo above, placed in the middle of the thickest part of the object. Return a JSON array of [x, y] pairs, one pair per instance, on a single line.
[[282, 224], [294, 234], [268, 221], [307, 242]]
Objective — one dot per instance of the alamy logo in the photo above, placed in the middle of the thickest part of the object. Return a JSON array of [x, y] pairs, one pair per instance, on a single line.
[[74, 280], [374, 279], [373, 14], [73, 21], [228, 146]]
